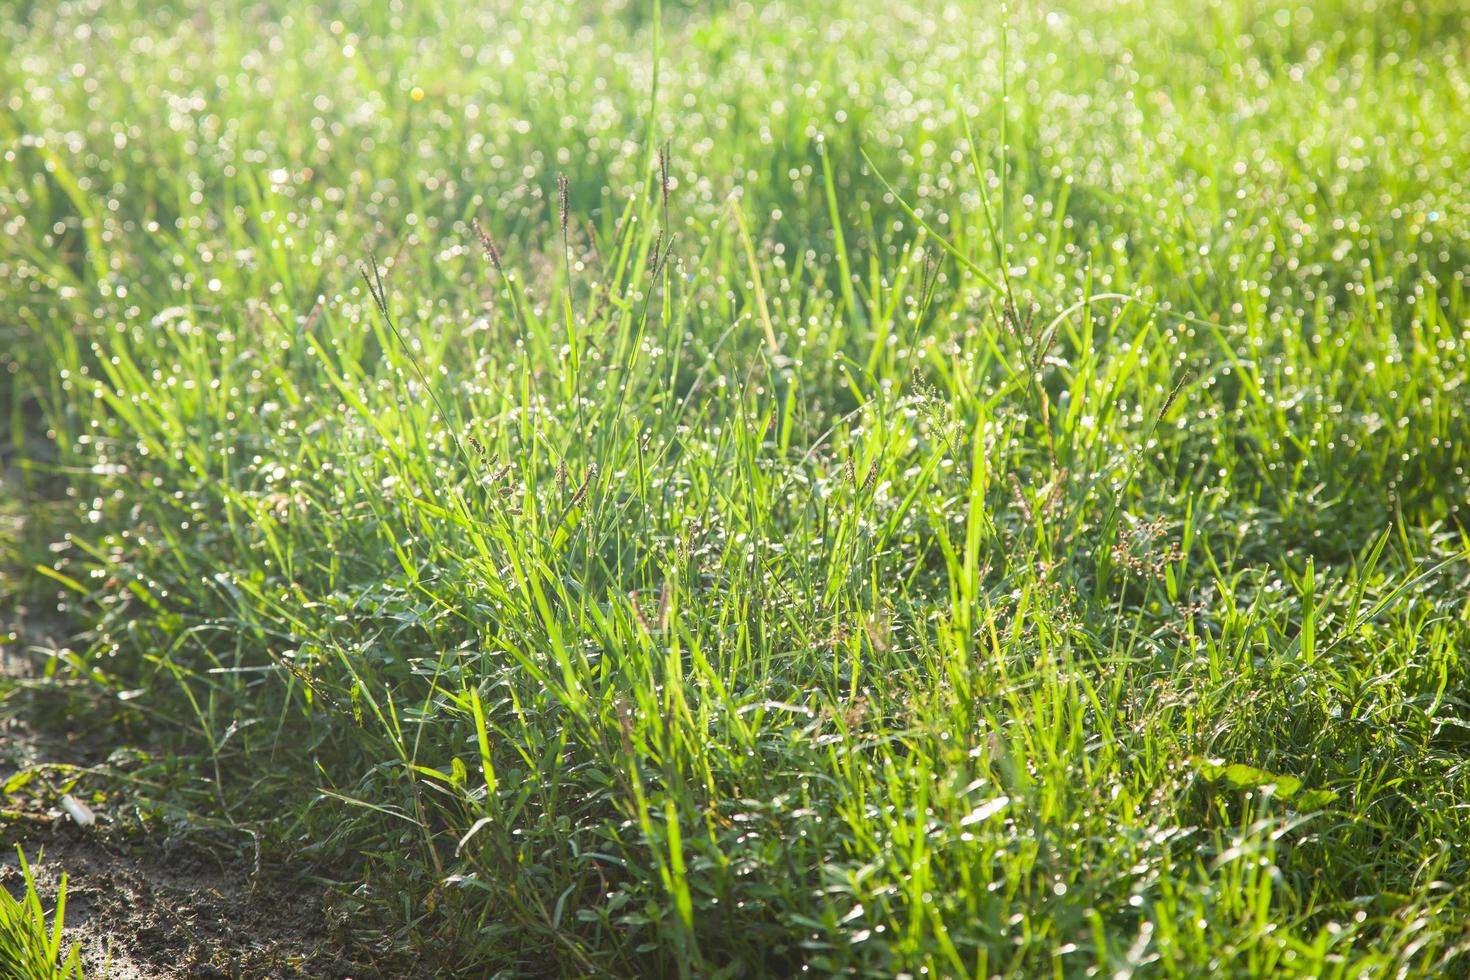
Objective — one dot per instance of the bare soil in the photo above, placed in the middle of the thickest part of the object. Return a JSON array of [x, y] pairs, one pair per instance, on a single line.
[[142, 908]]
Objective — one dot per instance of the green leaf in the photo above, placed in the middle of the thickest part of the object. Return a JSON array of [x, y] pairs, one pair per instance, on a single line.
[[1315, 799], [1240, 776]]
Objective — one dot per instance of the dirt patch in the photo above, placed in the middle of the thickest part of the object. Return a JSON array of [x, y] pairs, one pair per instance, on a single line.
[[157, 914], [155, 909]]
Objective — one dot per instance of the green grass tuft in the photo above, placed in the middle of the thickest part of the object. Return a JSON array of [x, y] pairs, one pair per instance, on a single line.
[[29, 948]]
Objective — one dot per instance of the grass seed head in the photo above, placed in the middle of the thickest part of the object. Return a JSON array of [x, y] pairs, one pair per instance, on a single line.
[[582, 490], [1020, 496], [488, 246], [637, 608], [1169, 402], [563, 208], [663, 175], [665, 605], [653, 257]]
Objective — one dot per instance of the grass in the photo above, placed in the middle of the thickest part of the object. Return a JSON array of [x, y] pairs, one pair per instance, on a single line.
[[988, 499], [28, 949]]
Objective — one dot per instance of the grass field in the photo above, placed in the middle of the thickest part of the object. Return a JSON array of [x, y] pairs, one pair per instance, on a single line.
[[762, 489]]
